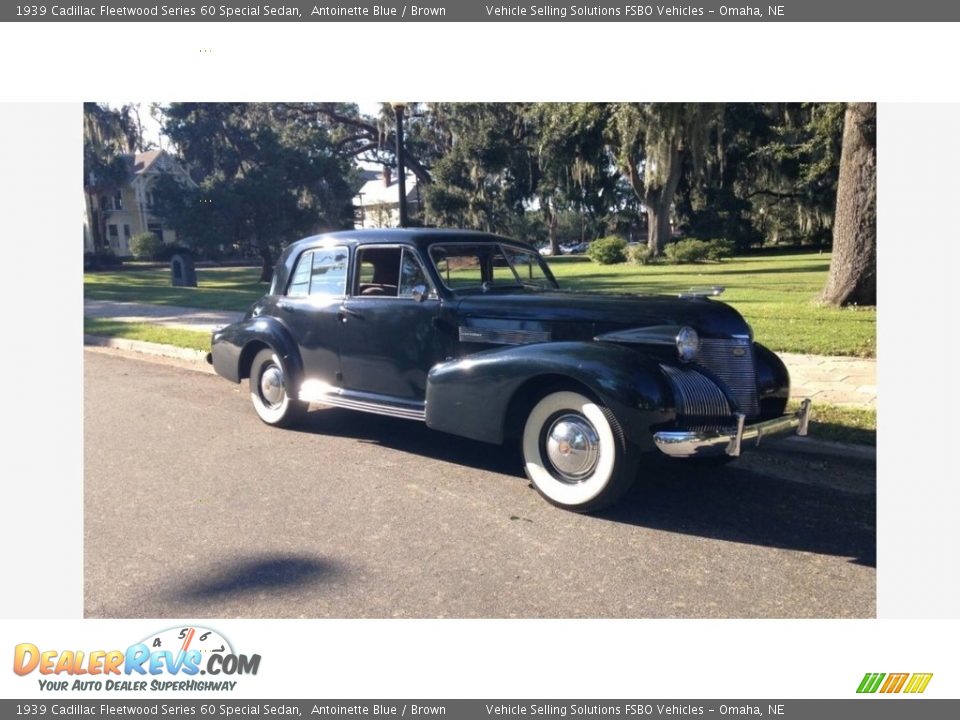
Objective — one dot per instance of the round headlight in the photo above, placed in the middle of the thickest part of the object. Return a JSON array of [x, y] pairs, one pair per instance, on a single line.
[[688, 343]]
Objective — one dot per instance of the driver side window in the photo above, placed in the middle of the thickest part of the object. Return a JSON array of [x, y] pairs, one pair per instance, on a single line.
[[389, 272]]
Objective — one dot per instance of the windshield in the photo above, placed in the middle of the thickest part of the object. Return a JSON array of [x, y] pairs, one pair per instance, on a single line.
[[489, 265]]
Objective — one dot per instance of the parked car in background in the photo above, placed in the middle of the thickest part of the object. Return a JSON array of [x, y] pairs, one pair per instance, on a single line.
[[576, 249], [471, 334]]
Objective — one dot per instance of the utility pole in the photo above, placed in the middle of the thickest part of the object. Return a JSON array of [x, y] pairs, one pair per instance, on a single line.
[[398, 108]]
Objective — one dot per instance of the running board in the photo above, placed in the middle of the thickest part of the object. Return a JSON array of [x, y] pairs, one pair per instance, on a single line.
[[321, 393]]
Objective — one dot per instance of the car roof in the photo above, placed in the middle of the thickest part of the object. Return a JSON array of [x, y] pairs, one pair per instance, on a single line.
[[417, 237], [420, 237]]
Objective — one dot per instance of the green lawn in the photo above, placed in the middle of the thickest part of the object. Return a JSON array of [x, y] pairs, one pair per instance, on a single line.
[[217, 288], [841, 424], [146, 332], [776, 294]]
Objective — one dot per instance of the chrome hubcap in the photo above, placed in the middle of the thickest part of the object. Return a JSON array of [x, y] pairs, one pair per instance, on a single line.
[[573, 447], [271, 385]]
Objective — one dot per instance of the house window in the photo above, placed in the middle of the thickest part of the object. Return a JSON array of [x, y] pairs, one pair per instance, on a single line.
[[114, 236], [156, 229], [126, 232], [118, 200]]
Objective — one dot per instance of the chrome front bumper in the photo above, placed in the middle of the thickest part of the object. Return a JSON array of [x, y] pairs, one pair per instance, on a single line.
[[680, 443]]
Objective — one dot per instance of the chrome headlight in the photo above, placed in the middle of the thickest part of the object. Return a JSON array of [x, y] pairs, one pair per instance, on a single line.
[[688, 343]]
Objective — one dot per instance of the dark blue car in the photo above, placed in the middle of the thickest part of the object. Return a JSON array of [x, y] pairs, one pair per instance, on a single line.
[[471, 334]]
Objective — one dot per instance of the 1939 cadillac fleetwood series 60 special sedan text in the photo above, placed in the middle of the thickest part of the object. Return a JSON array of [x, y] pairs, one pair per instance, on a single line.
[[470, 333]]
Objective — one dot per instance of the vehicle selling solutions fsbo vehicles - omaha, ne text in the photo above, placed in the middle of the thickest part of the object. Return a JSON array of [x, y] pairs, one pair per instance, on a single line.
[[471, 334]]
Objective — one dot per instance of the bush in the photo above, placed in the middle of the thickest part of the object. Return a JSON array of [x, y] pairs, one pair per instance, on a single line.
[[608, 250], [103, 259], [641, 255], [720, 249], [166, 252], [690, 250], [145, 246]]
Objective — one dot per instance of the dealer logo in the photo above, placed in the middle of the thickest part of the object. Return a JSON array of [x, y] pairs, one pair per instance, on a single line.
[[182, 652], [912, 683]]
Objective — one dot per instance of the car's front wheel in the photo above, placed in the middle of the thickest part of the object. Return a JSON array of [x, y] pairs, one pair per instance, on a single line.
[[575, 453], [269, 394]]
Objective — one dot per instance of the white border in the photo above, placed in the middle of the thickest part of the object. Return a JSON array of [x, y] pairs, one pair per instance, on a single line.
[[918, 186]]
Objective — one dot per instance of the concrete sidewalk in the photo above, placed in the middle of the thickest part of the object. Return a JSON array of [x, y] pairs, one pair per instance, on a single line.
[[166, 315], [830, 380]]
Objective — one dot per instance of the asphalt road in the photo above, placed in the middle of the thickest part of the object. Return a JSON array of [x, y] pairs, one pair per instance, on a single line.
[[194, 508]]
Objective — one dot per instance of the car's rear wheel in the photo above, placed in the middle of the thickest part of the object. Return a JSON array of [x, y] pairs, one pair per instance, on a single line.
[[269, 394], [575, 453]]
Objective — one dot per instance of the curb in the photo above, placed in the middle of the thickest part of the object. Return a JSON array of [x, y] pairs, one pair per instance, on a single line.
[[148, 348]]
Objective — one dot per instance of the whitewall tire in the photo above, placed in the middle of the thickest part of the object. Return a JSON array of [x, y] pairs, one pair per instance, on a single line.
[[268, 391], [574, 452]]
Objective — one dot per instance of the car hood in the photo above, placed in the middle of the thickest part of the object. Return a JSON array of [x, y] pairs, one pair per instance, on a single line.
[[575, 315]]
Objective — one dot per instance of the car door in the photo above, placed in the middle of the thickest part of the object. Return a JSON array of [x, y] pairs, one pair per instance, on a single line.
[[388, 335], [310, 309]]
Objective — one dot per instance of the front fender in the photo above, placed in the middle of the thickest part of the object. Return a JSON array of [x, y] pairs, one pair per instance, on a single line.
[[234, 347], [773, 382], [472, 396]]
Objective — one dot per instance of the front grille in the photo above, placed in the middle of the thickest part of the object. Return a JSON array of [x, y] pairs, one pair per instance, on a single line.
[[732, 362], [695, 395]]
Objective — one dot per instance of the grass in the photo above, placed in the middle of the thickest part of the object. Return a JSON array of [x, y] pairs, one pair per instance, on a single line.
[[776, 294], [217, 288], [842, 424], [146, 332]]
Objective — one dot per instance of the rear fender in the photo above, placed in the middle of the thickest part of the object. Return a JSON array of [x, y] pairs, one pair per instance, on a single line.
[[475, 395], [235, 346]]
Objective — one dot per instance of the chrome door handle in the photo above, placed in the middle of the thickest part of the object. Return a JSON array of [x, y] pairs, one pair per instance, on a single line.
[[346, 313]]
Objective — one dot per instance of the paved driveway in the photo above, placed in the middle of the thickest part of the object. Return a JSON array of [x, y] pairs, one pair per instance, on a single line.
[[194, 508]]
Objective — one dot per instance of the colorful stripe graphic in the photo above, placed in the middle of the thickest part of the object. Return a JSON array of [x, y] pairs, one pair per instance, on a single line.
[[894, 682]]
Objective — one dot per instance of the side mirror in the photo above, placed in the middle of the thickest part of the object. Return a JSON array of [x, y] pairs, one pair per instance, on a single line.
[[419, 293]]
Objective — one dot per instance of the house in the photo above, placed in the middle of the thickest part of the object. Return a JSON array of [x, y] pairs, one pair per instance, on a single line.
[[128, 210], [377, 204]]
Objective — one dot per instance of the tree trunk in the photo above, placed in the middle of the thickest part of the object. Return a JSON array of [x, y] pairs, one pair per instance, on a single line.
[[658, 201], [266, 261], [93, 223], [853, 268], [658, 227]]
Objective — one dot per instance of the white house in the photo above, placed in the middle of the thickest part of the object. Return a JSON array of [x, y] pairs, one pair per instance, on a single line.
[[377, 204], [128, 210]]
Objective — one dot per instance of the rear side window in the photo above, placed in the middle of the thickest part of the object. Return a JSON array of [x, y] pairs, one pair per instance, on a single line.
[[320, 272]]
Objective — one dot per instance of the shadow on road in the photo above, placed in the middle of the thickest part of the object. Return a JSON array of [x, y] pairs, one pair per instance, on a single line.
[[412, 437], [746, 506], [731, 503], [275, 572]]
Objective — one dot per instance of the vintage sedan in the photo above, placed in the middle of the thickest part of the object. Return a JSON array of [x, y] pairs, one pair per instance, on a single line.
[[471, 334]]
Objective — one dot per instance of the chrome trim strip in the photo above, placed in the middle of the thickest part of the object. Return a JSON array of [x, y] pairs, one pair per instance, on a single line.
[[686, 443], [502, 336], [319, 392]]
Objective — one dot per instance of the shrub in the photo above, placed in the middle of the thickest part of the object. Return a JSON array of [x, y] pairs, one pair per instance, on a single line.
[[103, 259], [720, 249], [641, 255], [690, 250], [608, 250], [166, 252], [145, 246]]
